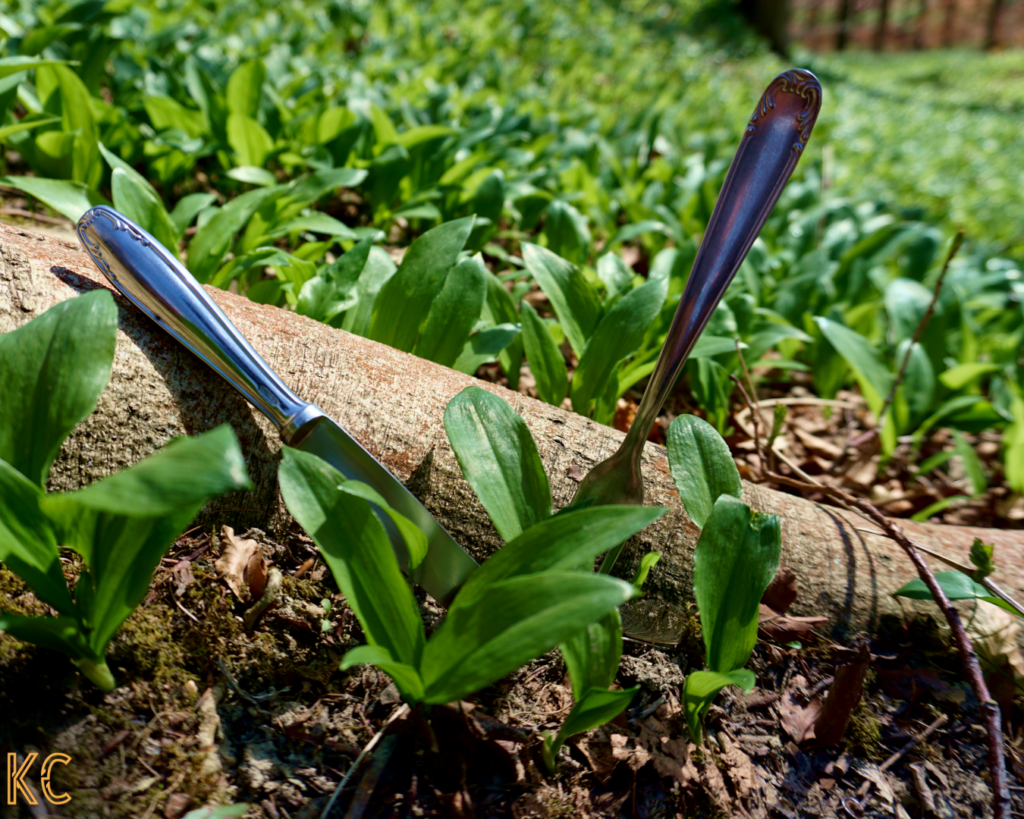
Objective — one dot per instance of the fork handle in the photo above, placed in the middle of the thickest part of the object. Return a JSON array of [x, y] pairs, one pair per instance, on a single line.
[[159, 285], [768, 153]]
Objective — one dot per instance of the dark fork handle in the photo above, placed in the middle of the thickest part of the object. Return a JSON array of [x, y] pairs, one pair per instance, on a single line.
[[768, 152]]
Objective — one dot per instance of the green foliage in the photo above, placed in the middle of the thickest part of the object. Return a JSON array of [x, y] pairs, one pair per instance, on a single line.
[[736, 557], [511, 610], [701, 466], [956, 585], [478, 423], [120, 526], [243, 126]]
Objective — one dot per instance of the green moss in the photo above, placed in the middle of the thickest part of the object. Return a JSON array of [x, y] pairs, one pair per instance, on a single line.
[[864, 733]]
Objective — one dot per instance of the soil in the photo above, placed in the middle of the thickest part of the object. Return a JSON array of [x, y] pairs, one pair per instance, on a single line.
[[210, 713]]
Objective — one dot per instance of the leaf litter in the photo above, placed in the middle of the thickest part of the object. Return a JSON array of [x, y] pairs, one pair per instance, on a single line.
[[223, 714]]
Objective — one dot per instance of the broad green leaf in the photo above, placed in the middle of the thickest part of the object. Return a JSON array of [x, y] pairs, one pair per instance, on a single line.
[[701, 465], [252, 175], [314, 187], [166, 113], [224, 812], [592, 655], [736, 557], [70, 199], [499, 459], [414, 537], [55, 633], [573, 297], [377, 270], [15, 65], [617, 336], [647, 562], [972, 463], [614, 273], [956, 586], [53, 370], [933, 509], [627, 233], [249, 140], [422, 133], [405, 299], [78, 119], [958, 377], [517, 621], [315, 222], [454, 313], [383, 128], [124, 524], [918, 387], [245, 88], [593, 709], [499, 308], [569, 540], [407, 679], [486, 346], [188, 208], [906, 302], [357, 551], [546, 361], [28, 546], [333, 289], [25, 125], [700, 690], [567, 232], [140, 204], [213, 239], [857, 351]]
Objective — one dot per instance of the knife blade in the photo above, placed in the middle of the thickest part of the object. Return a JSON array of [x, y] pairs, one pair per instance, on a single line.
[[158, 284]]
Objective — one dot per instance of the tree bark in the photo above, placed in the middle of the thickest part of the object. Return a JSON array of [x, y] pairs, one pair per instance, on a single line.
[[883, 23], [394, 403]]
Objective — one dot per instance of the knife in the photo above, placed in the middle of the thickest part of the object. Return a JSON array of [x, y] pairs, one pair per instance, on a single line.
[[157, 283]]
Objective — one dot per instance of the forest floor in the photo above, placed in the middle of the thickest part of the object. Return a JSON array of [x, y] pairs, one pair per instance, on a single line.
[[223, 699]]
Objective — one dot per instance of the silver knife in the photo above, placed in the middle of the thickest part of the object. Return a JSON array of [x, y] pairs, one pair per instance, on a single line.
[[157, 283]]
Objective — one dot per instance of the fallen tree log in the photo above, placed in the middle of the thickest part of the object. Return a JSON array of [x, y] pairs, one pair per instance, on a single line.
[[393, 403]]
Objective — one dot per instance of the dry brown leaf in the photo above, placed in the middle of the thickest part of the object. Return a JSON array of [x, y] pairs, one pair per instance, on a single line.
[[241, 565], [797, 719], [994, 632], [816, 444], [785, 629], [781, 592], [740, 769]]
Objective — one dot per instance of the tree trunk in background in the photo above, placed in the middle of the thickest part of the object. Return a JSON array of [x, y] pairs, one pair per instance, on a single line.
[[919, 27], [992, 27], [843, 31], [393, 403], [770, 19], [883, 22], [813, 10], [948, 31]]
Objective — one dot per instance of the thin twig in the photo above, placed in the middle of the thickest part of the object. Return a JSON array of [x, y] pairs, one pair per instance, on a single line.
[[401, 712], [988, 583], [921, 327], [38, 217], [968, 657], [954, 248]]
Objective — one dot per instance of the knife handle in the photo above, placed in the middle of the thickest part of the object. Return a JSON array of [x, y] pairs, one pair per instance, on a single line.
[[159, 285]]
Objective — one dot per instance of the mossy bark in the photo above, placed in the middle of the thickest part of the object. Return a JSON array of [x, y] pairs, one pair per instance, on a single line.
[[394, 403]]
